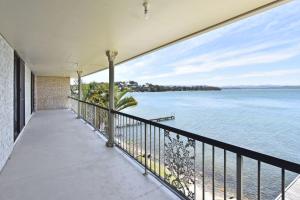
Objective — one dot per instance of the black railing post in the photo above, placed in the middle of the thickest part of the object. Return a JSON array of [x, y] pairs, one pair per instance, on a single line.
[[95, 116], [85, 110], [282, 184], [258, 179], [239, 181], [203, 171], [213, 173], [145, 173], [225, 160], [81, 110]]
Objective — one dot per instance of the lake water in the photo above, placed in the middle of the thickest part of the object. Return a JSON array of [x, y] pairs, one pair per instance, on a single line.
[[264, 120]]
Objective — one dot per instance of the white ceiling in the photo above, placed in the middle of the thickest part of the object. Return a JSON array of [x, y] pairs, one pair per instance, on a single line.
[[52, 35]]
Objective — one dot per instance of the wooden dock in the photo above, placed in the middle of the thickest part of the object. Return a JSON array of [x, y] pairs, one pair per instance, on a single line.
[[292, 192], [160, 119]]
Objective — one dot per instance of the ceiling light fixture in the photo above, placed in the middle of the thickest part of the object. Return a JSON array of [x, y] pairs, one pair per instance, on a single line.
[[146, 9]]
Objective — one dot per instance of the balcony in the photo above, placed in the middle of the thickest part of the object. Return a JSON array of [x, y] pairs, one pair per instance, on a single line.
[[59, 157]]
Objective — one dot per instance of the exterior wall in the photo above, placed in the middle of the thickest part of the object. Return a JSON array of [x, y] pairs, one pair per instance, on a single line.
[[52, 92], [6, 101], [27, 93]]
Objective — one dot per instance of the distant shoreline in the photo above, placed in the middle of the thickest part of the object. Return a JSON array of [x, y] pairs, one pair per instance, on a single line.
[[261, 87], [148, 87], [227, 88], [177, 89]]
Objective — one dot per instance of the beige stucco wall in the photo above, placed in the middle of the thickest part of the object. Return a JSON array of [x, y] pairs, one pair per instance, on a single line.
[[52, 92], [6, 100]]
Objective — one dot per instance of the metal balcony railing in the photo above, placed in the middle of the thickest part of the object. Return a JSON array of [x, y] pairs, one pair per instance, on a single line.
[[193, 166]]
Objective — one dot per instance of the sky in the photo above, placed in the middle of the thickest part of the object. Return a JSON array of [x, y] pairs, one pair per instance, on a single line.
[[260, 50]]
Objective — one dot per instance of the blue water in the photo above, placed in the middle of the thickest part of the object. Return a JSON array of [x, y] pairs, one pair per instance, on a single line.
[[264, 120]]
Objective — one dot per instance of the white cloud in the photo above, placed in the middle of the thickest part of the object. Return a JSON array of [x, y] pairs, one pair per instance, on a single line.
[[226, 53], [271, 73], [227, 59], [264, 74]]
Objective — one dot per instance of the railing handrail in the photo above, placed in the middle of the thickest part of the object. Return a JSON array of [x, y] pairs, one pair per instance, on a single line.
[[278, 162], [92, 104]]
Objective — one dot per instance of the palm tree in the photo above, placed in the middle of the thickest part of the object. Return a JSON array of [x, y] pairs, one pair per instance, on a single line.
[[99, 94], [88, 90], [122, 101]]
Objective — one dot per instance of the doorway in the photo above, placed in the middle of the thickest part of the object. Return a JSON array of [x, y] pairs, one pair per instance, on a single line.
[[19, 95], [32, 92]]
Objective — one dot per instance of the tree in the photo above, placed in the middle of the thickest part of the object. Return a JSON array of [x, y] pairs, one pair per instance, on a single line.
[[98, 93]]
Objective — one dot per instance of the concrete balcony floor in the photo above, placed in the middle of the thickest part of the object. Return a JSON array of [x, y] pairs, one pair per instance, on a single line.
[[59, 157]]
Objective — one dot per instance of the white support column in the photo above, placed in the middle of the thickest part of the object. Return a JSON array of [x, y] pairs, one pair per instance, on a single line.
[[111, 55], [79, 73]]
